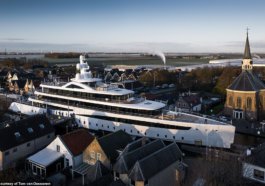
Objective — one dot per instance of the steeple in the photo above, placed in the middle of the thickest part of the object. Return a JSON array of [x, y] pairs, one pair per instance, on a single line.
[[247, 63], [247, 54]]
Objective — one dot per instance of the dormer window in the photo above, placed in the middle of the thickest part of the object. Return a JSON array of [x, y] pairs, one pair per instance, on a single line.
[[17, 134], [30, 130], [41, 126]]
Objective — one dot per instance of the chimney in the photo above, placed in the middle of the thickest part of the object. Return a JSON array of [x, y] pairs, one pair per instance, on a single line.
[[143, 141], [248, 152]]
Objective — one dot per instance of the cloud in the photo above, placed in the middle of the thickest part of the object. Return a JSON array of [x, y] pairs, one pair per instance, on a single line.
[[12, 39], [254, 44]]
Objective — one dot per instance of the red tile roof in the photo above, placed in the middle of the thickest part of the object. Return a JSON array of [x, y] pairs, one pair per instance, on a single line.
[[77, 141]]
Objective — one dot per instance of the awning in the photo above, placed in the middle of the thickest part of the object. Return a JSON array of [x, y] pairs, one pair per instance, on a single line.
[[82, 169], [45, 157]]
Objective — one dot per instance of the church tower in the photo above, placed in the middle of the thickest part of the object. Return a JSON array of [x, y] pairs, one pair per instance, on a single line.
[[246, 95], [247, 63]]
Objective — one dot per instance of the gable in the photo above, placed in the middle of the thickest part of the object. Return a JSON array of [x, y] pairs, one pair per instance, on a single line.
[[94, 147]]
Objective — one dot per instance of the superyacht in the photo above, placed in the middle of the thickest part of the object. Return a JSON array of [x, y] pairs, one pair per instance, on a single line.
[[100, 106]]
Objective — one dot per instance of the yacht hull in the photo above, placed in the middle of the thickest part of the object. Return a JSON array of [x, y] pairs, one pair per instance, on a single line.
[[221, 136]]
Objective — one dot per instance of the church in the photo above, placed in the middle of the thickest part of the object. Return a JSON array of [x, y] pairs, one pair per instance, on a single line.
[[246, 95]]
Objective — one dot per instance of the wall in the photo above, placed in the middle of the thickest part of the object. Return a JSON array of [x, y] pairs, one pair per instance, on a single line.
[[165, 177], [250, 113], [23, 150], [1, 160], [63, 149], [96, 148], [78, 160]]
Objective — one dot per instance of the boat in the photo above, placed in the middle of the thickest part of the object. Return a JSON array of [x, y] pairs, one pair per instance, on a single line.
[[97, 105]]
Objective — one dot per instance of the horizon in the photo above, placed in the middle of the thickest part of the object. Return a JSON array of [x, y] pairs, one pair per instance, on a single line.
[[131, 26]]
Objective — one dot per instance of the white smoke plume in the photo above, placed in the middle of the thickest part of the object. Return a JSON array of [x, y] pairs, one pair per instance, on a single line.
[[161, 55]]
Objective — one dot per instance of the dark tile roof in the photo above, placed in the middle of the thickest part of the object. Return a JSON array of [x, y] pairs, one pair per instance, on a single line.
[[113, 142], [77, 141], [9, 140], [126, 160], [135, 144], [155, 162], [247, 81], [192, 99], [96, 171]]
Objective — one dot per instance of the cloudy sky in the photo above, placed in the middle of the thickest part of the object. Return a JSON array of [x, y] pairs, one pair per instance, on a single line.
[[131, 25]]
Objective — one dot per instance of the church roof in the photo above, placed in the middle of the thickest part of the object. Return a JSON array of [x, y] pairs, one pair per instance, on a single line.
[[247, 54], [247, 81]]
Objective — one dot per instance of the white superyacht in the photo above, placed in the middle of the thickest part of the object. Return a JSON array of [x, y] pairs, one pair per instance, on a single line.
[[100, 106]]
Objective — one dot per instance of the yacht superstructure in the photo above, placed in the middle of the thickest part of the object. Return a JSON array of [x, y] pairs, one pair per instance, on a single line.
[[100, 106]]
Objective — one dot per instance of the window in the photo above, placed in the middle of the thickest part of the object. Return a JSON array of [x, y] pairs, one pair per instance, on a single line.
[[30, 130], [15, 150], [48, 136], [67, 162], [249, 103], [41, 126], [34, 169], [28, 144], [92, 154], [238, 102], [258, 174], [98, 156], [6, 153], [58, 148], [230, 102]]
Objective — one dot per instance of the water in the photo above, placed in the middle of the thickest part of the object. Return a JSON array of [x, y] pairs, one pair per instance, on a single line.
[[247, 140]]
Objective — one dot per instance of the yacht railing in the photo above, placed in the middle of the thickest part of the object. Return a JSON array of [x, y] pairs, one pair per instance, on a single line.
[[134, 101], [54, 83]]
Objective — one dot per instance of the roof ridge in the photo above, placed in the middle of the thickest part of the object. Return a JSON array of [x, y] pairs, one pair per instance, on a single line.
[[144, 146]]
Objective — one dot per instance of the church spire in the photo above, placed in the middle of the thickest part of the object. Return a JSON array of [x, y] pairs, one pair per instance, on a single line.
[[247, 63], [247, 54]]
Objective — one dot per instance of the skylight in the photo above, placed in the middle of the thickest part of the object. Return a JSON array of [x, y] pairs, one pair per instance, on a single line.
[[17, 134], [41, 126], [30, 130]]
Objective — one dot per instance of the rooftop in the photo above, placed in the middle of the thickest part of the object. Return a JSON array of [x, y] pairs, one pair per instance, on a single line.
[[25, 130], [77, 140], [247, 81]]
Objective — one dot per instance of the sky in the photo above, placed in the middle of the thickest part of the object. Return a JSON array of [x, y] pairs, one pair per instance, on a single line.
[[131, 25]]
